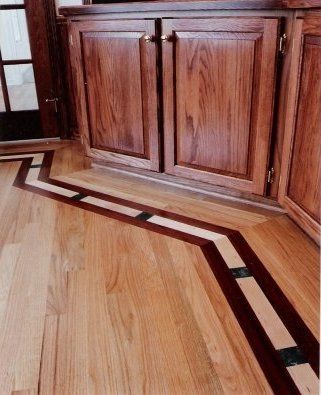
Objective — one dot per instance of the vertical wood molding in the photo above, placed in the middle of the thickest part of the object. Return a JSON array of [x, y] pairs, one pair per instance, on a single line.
[[303, 27]]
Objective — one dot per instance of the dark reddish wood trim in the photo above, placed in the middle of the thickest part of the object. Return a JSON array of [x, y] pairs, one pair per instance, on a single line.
[[43, 151], [42, 62], [4, 85], [23, 171], [291, 319], [191, 5], [16, 61], [268, 358], [302, 3], [171, 6], [12, 7], [20, 183]]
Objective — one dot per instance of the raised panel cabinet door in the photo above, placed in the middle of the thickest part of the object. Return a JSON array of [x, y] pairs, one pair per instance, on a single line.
[[301, 168], [219, 80], [114, 63]]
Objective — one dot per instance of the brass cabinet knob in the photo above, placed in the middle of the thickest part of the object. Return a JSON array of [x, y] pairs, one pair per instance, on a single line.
[[148, 39], [164, 38]]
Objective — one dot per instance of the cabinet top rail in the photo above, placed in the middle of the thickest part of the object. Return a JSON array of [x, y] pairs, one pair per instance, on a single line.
[[188, 5]]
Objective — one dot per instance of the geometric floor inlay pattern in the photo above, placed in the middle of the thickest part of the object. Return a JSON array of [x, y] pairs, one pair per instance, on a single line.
[[285, 348]]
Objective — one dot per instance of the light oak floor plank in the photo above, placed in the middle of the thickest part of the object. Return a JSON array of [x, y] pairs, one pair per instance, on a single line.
[[89, 304]]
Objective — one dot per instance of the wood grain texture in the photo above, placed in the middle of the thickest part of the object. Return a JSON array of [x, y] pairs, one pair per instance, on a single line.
[[142, 312], [115, 77], [218, 112], [214, 83], [301, 165], [280, 105], [168, 197], [274, 241], [169, 5], [305, 176], [41, 54]]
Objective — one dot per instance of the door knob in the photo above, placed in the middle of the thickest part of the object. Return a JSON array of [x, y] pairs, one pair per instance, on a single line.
[[148, 39], [164, 38]]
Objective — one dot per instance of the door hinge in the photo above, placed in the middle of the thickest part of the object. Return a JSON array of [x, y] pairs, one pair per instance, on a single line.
[[270, 176], [282, 44]]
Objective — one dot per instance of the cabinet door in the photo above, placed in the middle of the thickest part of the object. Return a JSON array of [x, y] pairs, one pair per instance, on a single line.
[[114, 65], [219, 76], [301, 167]]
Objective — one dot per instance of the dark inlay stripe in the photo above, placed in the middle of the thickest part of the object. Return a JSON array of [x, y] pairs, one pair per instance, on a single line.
[[45, 177], [298, 329], [20, 183], [22, 172], [262, 347], [268, 358], [144, 216], [241, 272], [78, 197], [36, 166], [292, 356]]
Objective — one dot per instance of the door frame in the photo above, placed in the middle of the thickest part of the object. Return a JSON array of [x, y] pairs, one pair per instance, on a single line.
[[39, 31], [41, 59]]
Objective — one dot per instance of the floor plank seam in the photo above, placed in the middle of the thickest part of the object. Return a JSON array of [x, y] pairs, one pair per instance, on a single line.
[[274, 361]]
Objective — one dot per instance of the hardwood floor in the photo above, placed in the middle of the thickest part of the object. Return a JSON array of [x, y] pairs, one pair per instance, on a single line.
[[97, 298]]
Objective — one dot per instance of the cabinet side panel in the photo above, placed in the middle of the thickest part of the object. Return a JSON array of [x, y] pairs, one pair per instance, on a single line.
[[304, 182]]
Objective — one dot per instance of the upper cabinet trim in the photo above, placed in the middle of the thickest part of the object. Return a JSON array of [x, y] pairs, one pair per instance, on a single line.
[[190, 5]]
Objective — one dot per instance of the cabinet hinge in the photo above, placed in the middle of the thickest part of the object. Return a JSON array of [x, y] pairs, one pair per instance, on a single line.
[[282, 44], [71, 40], [270, 176]]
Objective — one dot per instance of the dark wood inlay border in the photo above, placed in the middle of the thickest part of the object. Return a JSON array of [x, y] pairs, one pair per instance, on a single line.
[[285, 310], [271, 360], [45, 176]]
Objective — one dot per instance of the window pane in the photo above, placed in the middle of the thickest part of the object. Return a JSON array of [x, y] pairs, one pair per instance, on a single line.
[[14, 36], [2, 2], [21, 87]]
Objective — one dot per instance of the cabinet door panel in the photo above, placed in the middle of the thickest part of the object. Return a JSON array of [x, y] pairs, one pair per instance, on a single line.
[[217, 92], [113, 78], [218, 112], [117, 67], [300, 184]]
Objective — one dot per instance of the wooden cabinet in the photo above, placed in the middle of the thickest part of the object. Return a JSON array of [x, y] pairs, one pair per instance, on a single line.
[[204, 92], [218, 90], [219, 77], [301, 169], [114, 65]]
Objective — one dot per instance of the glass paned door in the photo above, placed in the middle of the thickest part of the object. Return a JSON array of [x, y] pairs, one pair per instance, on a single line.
[[25, 72]]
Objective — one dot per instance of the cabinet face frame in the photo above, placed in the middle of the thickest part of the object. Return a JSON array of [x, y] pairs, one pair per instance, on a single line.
[[132, 30], [268, 28], [309, 26]]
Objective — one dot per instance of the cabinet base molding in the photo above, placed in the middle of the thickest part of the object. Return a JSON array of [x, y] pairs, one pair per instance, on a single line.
[[304, 220], [193, 186]]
